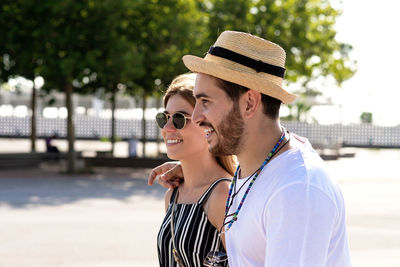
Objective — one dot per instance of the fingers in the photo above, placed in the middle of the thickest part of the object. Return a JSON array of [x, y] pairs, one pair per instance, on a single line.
[[159, 170], [172, 183], [153, 175], [173, 174]]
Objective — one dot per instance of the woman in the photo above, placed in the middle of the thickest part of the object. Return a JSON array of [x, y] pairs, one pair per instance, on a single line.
[[197, 206]]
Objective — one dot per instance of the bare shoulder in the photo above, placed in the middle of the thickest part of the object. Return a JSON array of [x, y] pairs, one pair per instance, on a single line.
[[215, 206], [220, 192], [168, 194], [167, 197]]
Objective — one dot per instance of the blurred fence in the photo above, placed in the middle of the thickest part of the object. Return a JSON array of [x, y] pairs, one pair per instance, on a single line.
[[85, 128], [361, 135], [358, 135]]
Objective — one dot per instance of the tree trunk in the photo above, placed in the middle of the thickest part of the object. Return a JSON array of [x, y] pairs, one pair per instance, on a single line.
[[70, 128], [33, 118], [113, 128], [144, 106]]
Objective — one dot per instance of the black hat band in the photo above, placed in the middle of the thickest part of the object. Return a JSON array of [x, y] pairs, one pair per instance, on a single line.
[[257, 65]]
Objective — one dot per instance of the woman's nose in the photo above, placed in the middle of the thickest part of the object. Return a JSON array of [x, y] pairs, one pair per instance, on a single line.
[[169, 126]]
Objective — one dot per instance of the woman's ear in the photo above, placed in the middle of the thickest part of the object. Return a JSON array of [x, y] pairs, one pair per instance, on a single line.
[[251, 101]]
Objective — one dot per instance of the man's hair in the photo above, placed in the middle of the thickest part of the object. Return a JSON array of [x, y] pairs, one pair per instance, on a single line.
[[271, 105]]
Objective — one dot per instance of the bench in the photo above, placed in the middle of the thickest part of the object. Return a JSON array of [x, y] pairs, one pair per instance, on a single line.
[[30, 159], [20, 160]]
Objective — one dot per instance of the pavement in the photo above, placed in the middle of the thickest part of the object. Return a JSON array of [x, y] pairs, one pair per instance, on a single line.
[[111, 218]]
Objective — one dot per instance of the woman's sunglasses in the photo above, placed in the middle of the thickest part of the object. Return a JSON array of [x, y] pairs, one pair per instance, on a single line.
[[178, 119]]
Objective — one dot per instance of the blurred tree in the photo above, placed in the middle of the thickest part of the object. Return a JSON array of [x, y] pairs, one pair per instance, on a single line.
[[298, 112], [88, 44], [366, 117], [120, 65], [304, 28], [164, 30], [77, 37], [21, 48], [137, 45], [72, 45]]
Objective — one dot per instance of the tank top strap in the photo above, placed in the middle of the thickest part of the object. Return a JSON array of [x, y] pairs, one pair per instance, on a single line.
[[205, 196], [173, 195]]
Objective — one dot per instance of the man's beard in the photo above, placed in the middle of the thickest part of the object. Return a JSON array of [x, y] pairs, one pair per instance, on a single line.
[[229, 133]]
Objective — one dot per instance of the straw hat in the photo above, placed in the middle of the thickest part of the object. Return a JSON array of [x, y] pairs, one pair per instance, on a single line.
[[246, 60]]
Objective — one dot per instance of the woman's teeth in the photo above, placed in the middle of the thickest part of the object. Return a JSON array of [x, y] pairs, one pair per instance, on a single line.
[[173, 141]]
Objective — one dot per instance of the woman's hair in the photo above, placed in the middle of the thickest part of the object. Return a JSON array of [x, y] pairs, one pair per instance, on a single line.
[[183, 85]]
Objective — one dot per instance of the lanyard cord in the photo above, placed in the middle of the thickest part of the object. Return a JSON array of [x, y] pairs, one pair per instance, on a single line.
[[231, 196]]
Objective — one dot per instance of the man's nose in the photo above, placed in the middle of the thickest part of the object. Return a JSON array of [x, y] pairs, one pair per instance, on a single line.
[[197, 115]]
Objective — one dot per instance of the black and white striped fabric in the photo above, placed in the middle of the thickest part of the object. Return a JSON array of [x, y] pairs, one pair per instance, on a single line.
[[195, 236]]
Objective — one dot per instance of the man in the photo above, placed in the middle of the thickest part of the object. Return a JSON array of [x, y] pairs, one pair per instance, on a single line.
[[283, 210]]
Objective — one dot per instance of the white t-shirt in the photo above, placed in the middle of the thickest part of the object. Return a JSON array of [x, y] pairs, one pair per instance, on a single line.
[[294, 215]]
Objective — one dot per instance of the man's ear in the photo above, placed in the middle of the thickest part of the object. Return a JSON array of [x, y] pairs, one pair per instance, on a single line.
[[251, 101]]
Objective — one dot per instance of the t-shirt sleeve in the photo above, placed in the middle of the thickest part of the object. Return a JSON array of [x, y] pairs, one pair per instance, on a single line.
[[299, 220]]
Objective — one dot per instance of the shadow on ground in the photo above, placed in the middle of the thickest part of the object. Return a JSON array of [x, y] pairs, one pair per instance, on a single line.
[[37, 187]]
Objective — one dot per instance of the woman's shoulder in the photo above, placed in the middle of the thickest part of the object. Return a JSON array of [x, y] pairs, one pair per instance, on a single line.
[[167, 197], [220, 190], [168, 194], [215, 205]]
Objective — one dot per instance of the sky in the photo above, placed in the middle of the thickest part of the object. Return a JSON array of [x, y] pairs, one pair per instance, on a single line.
[[373, 29]]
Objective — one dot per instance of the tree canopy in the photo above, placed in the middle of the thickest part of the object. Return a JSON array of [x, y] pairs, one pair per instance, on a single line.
[[80, 46], [141, 43]]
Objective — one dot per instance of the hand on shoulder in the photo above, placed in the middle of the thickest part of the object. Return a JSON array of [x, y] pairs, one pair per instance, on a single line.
[[170, 174]]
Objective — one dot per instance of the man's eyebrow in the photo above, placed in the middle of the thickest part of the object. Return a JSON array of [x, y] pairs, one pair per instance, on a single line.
[[201, 95]]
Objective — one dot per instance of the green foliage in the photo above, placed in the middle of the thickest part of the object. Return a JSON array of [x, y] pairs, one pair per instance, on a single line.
[[138, 44], [304, 28], [82, 43], [366, 117], [298, 111], [163, 30], [20, 45]]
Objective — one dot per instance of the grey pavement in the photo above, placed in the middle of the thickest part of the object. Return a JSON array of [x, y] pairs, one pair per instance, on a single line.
[[111, 218]]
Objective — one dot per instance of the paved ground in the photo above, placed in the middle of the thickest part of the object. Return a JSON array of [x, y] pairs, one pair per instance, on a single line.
[[111, 218]]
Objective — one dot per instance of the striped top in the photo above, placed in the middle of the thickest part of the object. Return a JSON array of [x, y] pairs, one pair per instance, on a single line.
[[195, 236]]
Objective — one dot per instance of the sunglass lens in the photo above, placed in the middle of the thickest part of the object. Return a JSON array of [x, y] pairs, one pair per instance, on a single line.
[[161, 119], [179, 120]]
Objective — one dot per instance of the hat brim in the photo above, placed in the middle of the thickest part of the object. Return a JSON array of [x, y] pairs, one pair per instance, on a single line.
[[247, 79]]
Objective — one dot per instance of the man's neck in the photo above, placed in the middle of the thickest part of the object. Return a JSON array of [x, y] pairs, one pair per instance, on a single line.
[[258, 144]]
